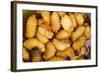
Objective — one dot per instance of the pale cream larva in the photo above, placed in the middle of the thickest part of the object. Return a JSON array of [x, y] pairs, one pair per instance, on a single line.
[[31, 27], [55, 22], [66, 23]]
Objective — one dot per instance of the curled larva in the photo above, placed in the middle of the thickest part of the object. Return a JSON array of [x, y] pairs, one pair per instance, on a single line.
[[45, 32], [42, 38], [79, 18], [32, 43], [73, 19], [79, 43], [66, 23], [26, 56], [55, 22], [61, 14], [50, 51], [46, 16], [56, 58], [68, 52], [62, 34], [36, 55], [79, 31], [60, 45], [88, 32], [31, 27]]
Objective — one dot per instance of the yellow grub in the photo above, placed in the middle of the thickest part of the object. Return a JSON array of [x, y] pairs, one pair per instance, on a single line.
[[31, 26], [55, 22], [67, 23], [32, 43]]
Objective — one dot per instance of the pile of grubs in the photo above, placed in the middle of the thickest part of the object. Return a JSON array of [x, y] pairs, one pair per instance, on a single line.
[[56, 36]]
